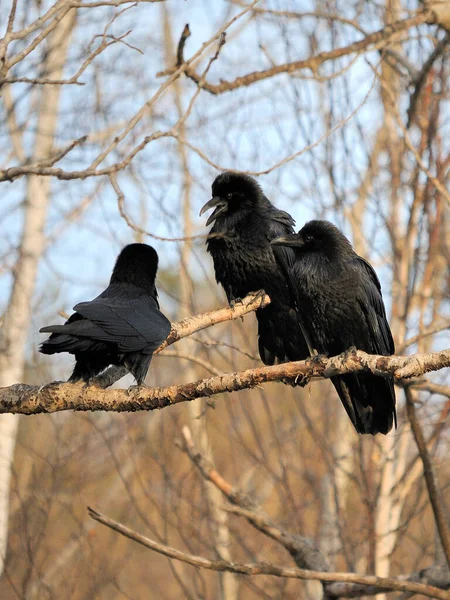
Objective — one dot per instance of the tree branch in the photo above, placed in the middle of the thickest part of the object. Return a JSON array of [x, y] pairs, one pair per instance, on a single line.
[[384, 583], [422, 77], [303, 550], [434, 493], [314, 62], [305, 554], [29, 399], [192, 325]]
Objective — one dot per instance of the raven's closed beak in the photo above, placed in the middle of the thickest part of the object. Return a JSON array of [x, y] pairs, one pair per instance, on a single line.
[[220, 205], [288, 240]]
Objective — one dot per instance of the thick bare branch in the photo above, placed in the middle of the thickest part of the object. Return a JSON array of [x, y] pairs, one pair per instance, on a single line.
[[194, 324], [29, 399]]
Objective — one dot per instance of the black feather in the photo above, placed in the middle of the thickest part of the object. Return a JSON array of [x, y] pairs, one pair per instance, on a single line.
[[245, 222], [122, 326], [340, 304]]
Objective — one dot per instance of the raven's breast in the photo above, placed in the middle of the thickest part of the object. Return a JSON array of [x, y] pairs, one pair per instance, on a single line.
[[243, 268]]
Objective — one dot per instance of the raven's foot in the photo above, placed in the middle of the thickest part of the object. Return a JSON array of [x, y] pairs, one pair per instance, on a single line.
[[91, 382], [316, 358], [233, 301], [299, 380], [135, 388], [260, 295], [350, 351]]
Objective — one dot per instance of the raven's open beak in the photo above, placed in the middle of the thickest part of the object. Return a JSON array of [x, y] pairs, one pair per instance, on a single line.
[[288, 240], [219, 204]]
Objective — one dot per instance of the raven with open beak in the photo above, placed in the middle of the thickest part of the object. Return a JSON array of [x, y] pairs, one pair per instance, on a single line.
[[219, 204]]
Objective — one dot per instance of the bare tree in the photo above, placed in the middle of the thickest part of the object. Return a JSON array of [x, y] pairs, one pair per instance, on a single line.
[[114, 130]]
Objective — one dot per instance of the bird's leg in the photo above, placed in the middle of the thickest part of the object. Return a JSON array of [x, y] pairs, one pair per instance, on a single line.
[[349, 354], [261, 295], [316, 358], [232, 302], [232, 299], [299, 380], [134, 388], [91, 382], [87, 383], [350, 351]]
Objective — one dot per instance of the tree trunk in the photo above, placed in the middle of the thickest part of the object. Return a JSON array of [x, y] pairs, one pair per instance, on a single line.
[[18, 312]]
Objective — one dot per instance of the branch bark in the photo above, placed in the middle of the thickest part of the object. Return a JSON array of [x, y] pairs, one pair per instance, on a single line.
[[28, 399]]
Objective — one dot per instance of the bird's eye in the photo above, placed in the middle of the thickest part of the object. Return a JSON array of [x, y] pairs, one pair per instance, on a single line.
[[308, 238], [229, 195]]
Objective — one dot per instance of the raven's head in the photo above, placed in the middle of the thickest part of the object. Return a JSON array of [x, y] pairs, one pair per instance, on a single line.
[[317, 236], [136, 264], [233, 194]]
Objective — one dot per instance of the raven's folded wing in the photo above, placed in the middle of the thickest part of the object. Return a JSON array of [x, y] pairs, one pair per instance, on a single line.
[[371, 302], [134, 325], [373, 397], [282, 336]]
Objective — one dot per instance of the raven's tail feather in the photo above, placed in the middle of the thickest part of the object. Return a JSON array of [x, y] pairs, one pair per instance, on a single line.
[[62, 342], [138, 365], [59, 342], [369, 401], [87, 368]]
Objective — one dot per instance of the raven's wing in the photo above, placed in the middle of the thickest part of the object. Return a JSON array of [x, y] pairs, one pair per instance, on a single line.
[[280, 336], [368, 399], [283, 224], [283, 218], [75, 335], [371, 302], [134, 325]]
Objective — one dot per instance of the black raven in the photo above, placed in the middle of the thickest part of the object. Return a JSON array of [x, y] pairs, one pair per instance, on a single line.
[[244, 261], [122, 326], [340, 304]]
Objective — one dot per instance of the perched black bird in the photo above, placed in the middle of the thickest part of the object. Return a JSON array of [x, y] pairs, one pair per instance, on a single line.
[[122, 326], [244, 222], [340, 305]]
